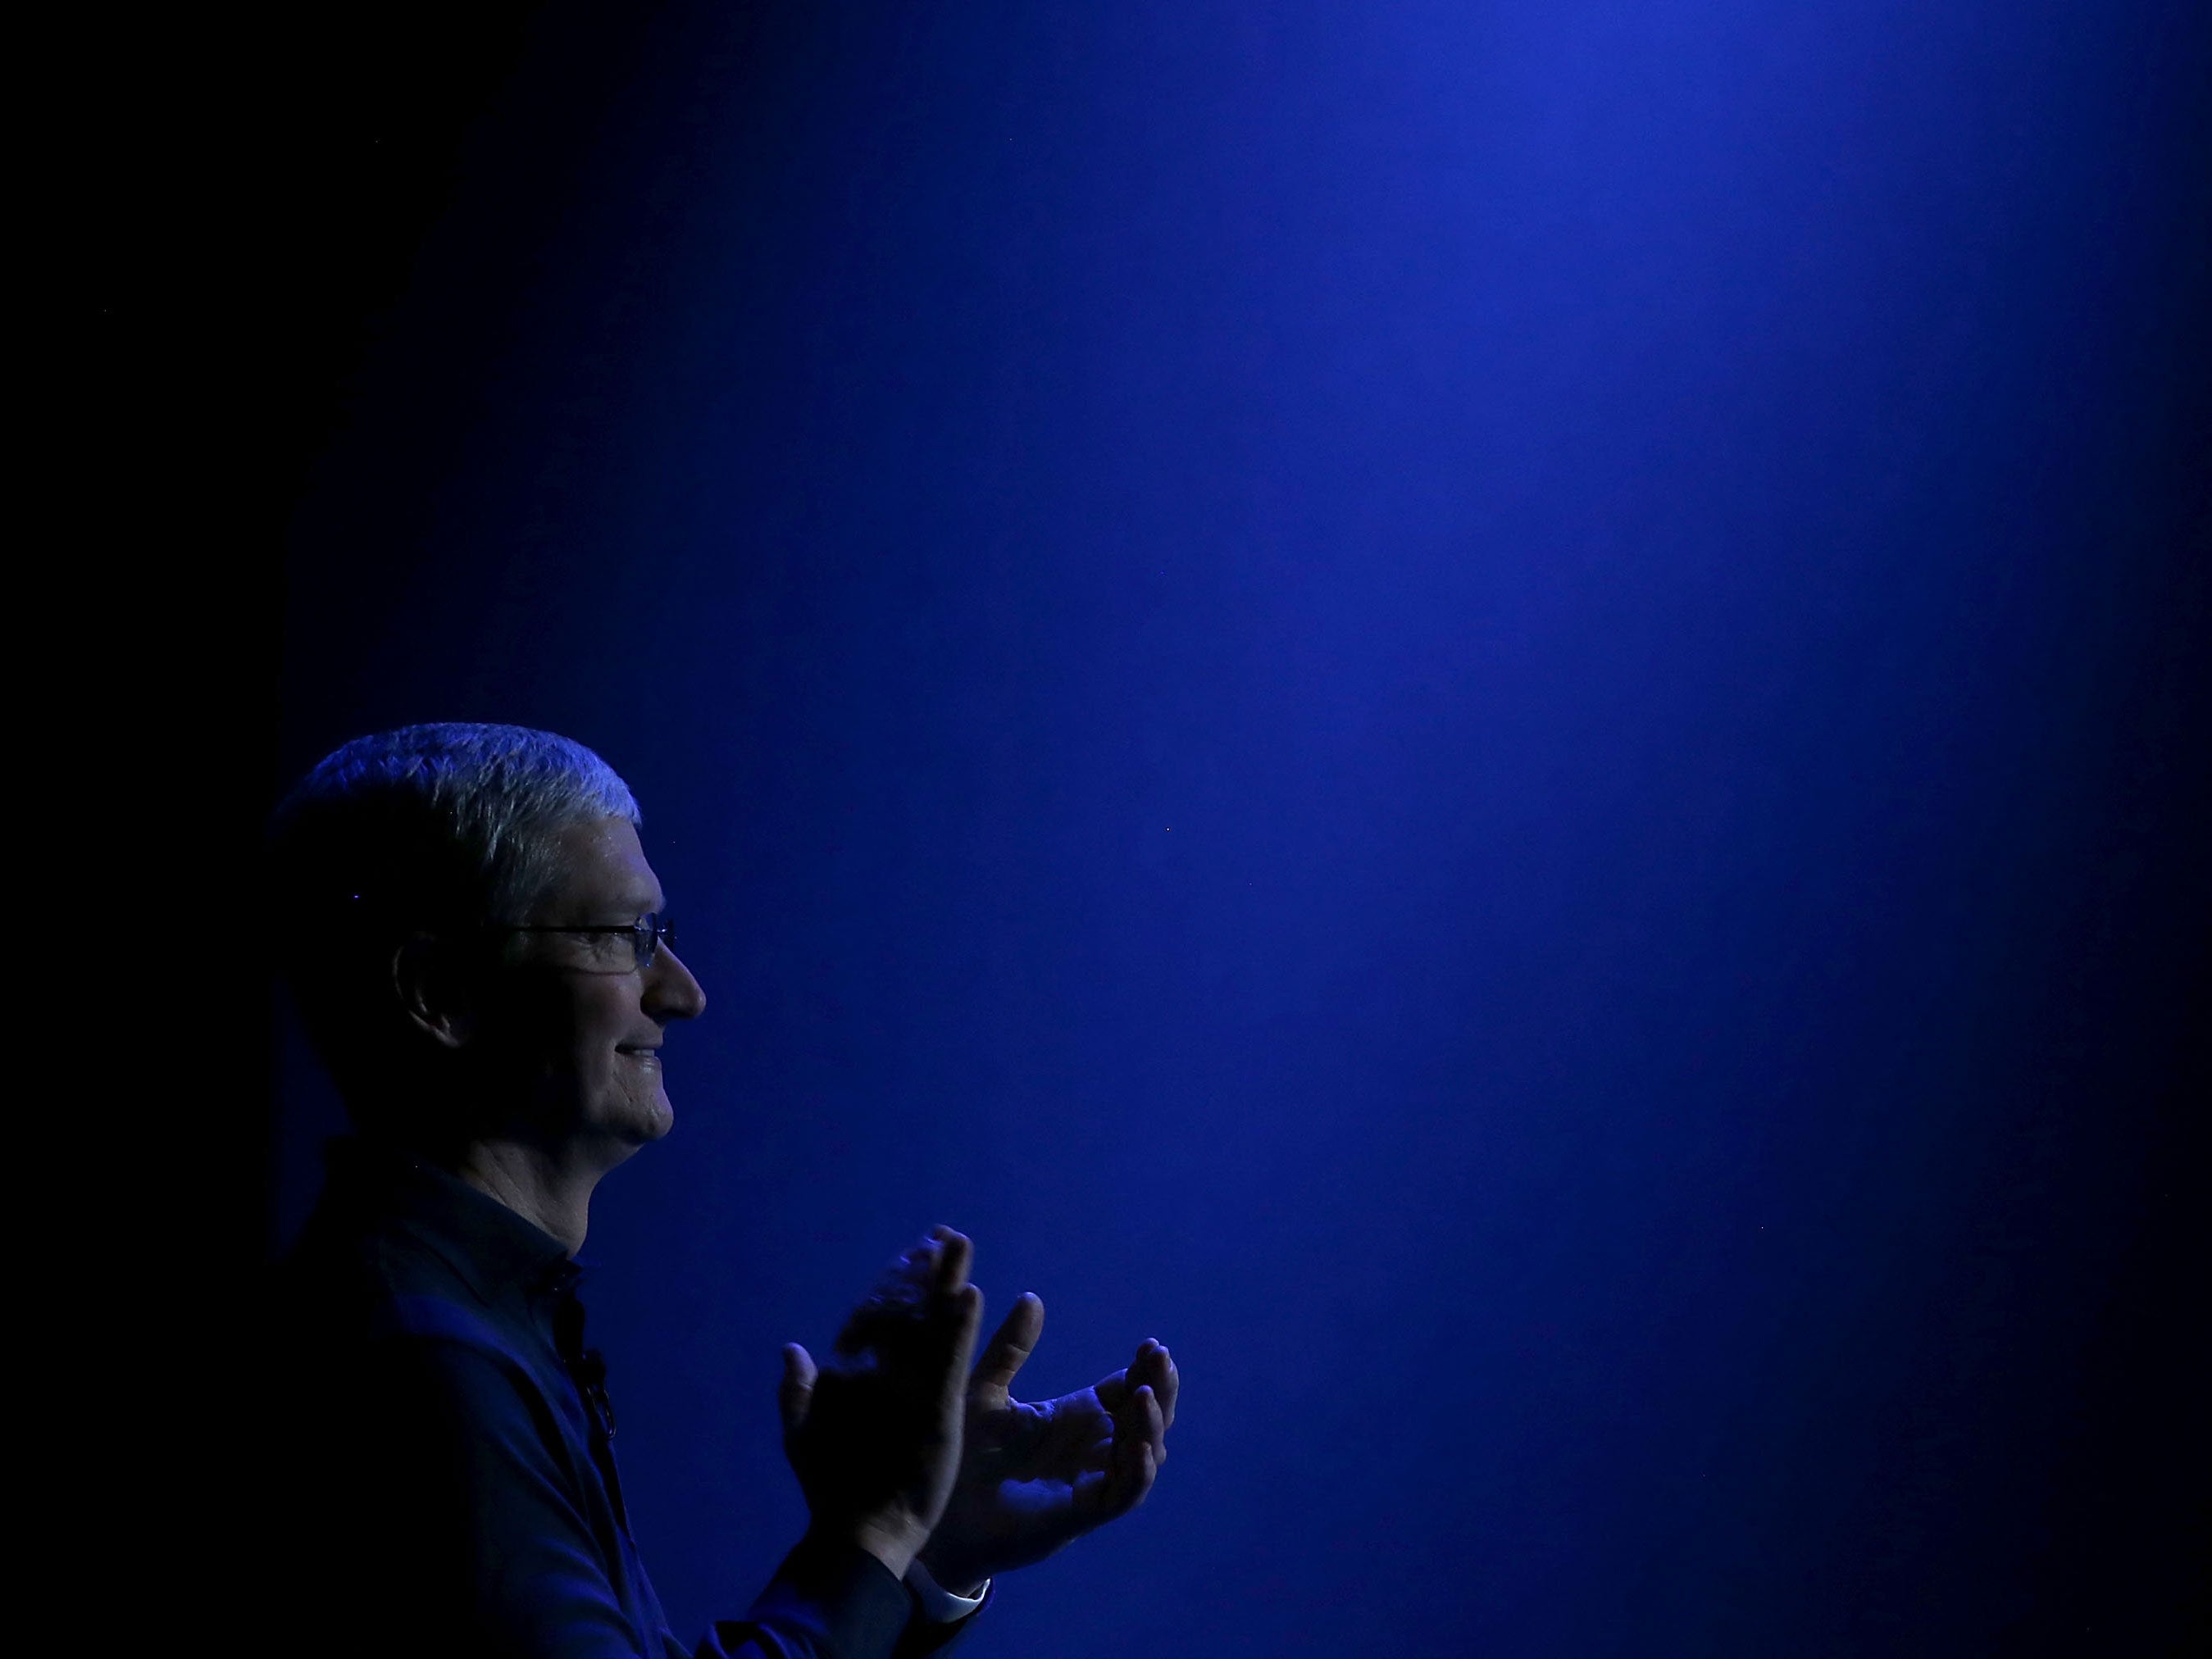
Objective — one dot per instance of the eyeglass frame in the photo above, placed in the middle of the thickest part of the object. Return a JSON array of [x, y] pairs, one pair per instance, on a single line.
[[646, 934]]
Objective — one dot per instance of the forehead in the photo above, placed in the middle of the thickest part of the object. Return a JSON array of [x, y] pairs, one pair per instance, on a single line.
[[600, 866]]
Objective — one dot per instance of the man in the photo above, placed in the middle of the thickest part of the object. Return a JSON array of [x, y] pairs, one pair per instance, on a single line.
[[481, 956]]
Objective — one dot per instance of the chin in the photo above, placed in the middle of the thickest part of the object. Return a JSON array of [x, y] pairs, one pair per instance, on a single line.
[[651, 1121], [631, 1123]]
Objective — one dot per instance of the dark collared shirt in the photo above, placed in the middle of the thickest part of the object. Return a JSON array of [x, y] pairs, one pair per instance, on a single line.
[[443, 1471]]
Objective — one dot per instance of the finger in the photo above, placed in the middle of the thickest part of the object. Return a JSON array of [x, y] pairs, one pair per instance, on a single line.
[[913, 1270], [1148, 1374], [1142, 1417], [1140, 1420], [1134, 1462], [1013, 1342], [1113, 1393], [1147, 1432], [955, 1256], [899, 1291], [794, 1395], [1156, 1366], [967, 1307]]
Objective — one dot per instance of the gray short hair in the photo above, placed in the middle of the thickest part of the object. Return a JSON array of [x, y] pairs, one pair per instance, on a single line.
[[427, 829]]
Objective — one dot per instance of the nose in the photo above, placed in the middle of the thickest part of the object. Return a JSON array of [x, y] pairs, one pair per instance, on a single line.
[[670, 990]]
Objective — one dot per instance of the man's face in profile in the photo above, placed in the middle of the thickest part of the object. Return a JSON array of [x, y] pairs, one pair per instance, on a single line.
[[572, 1021]]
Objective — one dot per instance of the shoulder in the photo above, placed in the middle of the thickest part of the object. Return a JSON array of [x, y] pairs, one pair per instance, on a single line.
[[365, 1305], [349, 1264]]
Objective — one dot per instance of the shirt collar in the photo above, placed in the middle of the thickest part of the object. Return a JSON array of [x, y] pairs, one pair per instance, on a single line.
[[499, 1253]]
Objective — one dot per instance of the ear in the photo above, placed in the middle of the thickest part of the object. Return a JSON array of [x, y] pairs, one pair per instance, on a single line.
[[433, 995]]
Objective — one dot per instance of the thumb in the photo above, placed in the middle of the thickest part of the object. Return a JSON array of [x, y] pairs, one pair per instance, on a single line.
[[1004, 1353], [795, 1392]]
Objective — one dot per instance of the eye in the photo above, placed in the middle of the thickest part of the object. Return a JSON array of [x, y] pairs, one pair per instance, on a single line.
[[612, 947]]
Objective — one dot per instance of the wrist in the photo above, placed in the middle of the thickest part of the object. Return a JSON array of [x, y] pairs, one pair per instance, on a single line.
[[959, 1580]]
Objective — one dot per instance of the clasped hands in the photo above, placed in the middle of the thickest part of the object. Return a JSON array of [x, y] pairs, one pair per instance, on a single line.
[[901, 1448]]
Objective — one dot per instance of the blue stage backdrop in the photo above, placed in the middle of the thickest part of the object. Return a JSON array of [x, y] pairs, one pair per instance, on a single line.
[[1482, 710]]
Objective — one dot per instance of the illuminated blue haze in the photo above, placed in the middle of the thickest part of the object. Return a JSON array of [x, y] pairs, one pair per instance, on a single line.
[[1453, 702]]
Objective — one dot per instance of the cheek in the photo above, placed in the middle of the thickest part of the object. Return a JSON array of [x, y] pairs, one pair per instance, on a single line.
[[571, 1031], [603, 1018], [606, 1016]]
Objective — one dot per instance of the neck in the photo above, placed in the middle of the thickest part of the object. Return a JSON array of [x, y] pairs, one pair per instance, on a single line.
[[549, 1188]]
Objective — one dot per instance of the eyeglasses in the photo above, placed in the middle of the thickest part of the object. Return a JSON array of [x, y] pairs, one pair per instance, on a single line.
[[642, 937]]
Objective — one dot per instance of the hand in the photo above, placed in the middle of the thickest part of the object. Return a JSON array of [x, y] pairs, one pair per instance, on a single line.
[[1033, 1477], [873, 1433]]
